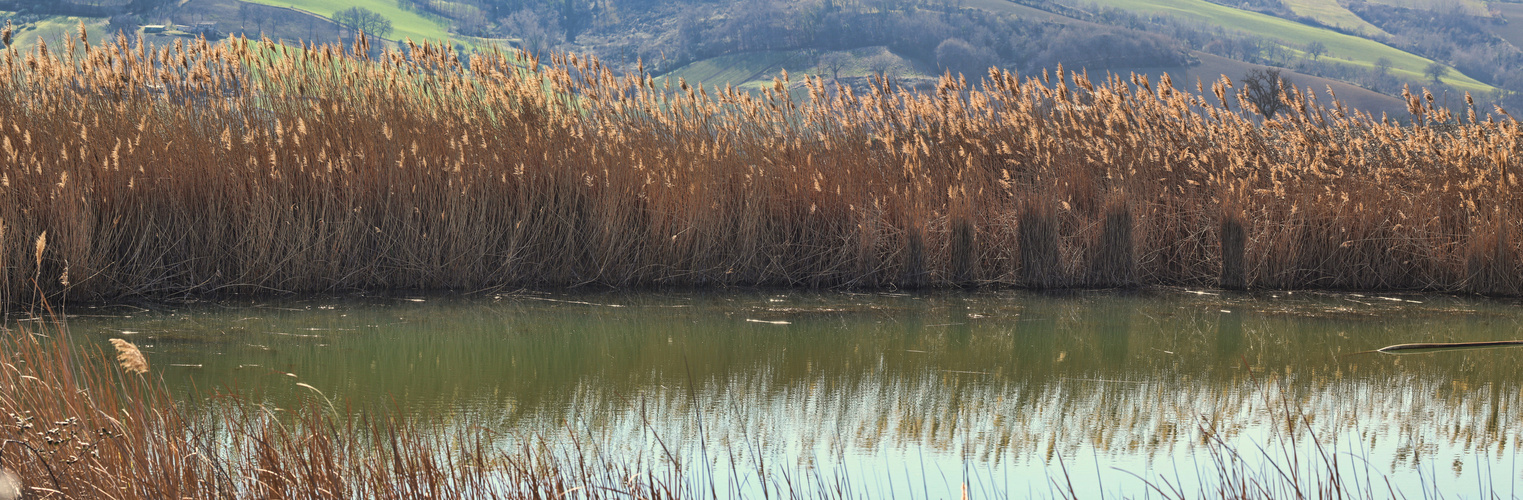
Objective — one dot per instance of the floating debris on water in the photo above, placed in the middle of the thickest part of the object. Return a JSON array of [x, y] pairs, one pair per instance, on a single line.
[[547, 299], [295, 335], [1440, 346]]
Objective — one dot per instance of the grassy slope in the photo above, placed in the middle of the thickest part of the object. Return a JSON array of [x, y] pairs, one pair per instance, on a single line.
[[734, 68], [405, 24], [1475, 7], [1341, 48], [55, 29], [1211, 68], [1331, 13], [756, 69]]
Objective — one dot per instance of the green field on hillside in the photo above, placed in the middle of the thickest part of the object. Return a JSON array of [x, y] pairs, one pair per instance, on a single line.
[[55, 29], [405, 24], [736, 69], [1340, 47], [1332, 13], [1472, 7]]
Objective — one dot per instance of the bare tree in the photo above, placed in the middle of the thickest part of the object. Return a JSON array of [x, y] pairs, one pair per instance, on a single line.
[[1263, 88], [1436, 72], [1382, 66], [536, 34], [359, 19], [960, 57], [833, 63], [126, 24], [883, 65], [1316, 49], [252, 13]]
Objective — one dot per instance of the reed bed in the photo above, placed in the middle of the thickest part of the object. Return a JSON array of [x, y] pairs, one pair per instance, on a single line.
[[252, 167]]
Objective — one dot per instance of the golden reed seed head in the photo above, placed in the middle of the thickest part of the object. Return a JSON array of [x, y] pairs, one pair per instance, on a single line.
[[42, 244], [130, 357]]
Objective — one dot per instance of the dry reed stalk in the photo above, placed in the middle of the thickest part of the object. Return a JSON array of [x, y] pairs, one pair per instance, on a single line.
[[1233, 246], [964, 253], [1491, 263], [1114, 262], [1038, 245], [915, 273]]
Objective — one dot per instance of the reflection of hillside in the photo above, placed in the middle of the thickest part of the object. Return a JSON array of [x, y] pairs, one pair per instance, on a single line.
[[998, 377]]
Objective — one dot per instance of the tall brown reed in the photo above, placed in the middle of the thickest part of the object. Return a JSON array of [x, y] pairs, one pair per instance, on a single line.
[[1039, 247], [250, 166], [1114, 262], [1233, 240]]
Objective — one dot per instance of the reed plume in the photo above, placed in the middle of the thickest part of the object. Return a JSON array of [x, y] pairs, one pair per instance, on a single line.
[[129, 357]]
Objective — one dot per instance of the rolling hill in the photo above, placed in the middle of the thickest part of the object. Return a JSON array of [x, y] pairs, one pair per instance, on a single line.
[[54, 29], [754, 68], [1512, 31], [1347, 49]]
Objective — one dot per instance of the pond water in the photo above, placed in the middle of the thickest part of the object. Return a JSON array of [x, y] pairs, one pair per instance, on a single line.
[[1009, 393]]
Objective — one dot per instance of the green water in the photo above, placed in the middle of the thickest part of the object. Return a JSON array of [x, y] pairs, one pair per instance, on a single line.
[[916, 393]]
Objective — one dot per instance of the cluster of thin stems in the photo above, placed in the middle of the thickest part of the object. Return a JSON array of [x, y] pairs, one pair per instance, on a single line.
[[251, 166]]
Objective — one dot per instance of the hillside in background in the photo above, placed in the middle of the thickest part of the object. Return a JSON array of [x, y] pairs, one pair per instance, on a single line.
[[1365, 50]]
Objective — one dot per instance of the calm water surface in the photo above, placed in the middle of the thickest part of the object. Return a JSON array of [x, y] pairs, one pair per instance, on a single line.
[[1011, 393]]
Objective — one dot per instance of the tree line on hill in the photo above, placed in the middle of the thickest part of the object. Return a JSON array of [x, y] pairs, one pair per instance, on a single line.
[[944, 35], [937, 35], [1455, 39]]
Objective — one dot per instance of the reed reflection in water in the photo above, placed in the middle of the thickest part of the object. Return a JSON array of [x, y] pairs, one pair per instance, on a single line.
[[922, 391]]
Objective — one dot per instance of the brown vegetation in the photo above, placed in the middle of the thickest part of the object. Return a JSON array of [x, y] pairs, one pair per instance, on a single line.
[[254, 167]]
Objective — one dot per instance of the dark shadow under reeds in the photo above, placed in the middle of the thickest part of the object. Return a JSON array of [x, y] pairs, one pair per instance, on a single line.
[[1233, 245], [1038, 244], [1114, 261]]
